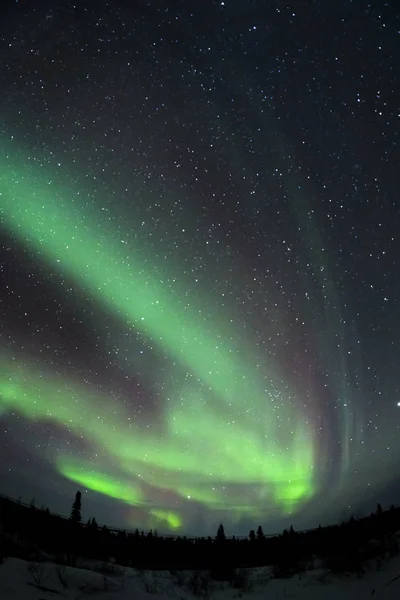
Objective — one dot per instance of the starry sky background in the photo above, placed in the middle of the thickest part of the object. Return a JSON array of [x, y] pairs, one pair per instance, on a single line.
[[199, 254]]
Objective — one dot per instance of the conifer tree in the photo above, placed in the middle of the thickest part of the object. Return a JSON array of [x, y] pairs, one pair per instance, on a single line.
[[76, 509], [260, 533], [221, 534]]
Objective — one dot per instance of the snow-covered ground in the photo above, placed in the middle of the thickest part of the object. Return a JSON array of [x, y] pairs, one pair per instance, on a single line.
[[22, 580]]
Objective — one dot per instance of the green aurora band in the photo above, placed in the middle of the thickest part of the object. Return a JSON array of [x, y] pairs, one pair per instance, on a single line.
[[200, 455]]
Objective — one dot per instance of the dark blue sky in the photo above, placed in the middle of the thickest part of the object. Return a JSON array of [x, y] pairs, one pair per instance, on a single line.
[[254, 146]]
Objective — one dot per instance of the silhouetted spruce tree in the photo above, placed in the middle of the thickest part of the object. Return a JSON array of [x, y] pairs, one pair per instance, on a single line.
[[260, 533], [76, 509], [252, 535], [379, 510], [221, 534]]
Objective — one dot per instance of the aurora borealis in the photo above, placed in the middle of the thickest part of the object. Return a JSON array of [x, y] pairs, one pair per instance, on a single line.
[[199, 256]]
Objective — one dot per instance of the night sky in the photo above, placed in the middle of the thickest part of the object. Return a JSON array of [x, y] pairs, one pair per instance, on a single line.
[[200, 260]]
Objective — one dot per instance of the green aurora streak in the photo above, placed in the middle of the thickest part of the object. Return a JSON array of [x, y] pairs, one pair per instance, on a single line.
[[200, 455]]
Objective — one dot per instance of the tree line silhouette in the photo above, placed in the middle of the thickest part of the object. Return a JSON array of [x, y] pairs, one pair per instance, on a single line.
[[352, 546]]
